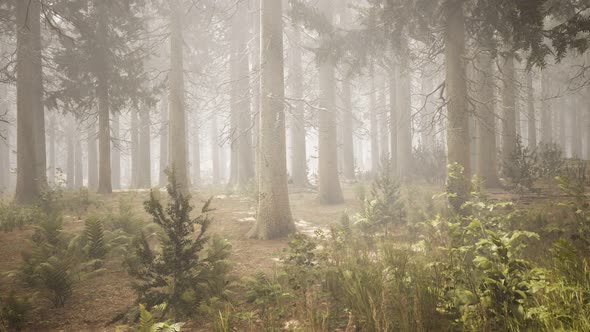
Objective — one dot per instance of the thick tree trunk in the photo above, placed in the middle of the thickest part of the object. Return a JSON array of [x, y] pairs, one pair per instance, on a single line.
[[274, 218], [298, 140], [255, 79], [145, 161], [508, 111], [457, 117], [31, 177], [116, 152], [177, 130], [92, 157], [486, 163], [104, 125], [329, 190], [163, 179], [531, 114]]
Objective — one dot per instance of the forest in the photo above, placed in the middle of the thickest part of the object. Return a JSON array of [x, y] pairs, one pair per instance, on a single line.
[[294, 165]]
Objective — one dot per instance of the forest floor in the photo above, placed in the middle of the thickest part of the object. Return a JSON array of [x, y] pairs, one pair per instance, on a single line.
[[97, 300]]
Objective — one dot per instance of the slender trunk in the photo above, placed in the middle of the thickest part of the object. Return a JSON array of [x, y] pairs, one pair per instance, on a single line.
[[374, 129], [92, 157], [71, 162], [177, 130], [508, 111], [531, 115], [298, 140], [383, 122], [144, 151], [457, 117], [274, 218], [78, 165], [4, 143], [329, 190], [404, 119], [163, 180], [215, 163], [348, 170], [52, 141], [30, 177], [134, 132], [486, 163], [116, 152], [576, 134], [196, 155], [563, 106], [393, 110], [255, 80]]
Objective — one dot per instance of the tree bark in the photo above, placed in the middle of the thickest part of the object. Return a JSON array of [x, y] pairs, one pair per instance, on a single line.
[[196, 155], [393, 128], [546, 123], [329, 190], [71, 157], [404, 119], [298, 139], [383, 122], [163, 179], [102, 93], [177, 131], [92, 157], [52, 132], [531, 114], [508, 110], [457, 117], [348, 170], [31, 177], [116, 152], [274, 218], [4, 143], [215, 162], [373, 125], [144, 151], [486, 163], [78, 165], [134, 132]]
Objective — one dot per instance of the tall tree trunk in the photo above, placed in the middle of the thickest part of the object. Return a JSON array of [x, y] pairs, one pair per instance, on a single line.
[[78, 165], [457, 117], [348, 170], [393, 116], [116, 152], [31, 177], [374, 126], [71, 157], [508, 111], [298, 140], [561, 122], [255, 79], [576, 132], [52, 142], [241, 95], [383, 121], [273, 219], [163, 180], [134, 132], [104, 125], [404, 119], [145, 161], [92, 157], [177, 130], [546, 123], [196, 155], [215, 163], [329, 190], [4, 143], [486, 163], [531, 114]]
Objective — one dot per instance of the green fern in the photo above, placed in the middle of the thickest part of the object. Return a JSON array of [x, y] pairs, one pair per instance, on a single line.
[[95, 248]]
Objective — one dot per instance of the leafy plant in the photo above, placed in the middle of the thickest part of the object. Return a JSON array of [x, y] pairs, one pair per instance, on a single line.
[[550, 160], [13, 216], [148, 321], [14, 313], [95, 247], [522, 168]]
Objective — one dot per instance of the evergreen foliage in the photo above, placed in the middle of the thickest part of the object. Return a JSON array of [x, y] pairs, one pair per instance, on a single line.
[[183, 273]]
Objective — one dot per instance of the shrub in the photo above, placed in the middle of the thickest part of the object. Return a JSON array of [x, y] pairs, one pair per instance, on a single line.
[[14, 313], [13, 216], [551, 162], [522, 168], [181, 272]]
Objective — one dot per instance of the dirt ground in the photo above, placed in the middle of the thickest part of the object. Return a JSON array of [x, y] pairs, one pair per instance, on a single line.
[[97, 300]]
